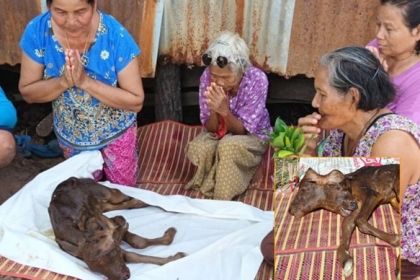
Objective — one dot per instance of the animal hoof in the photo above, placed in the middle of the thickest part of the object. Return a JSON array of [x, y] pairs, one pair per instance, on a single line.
[[348, 268], [178, 256], [169, 235], [397, 240], [170, 231]]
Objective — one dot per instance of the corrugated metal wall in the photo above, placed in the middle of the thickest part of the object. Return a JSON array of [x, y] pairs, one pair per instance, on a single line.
[[14, 15], [190, 25], [323, 25], [286, 37], [141, 17]]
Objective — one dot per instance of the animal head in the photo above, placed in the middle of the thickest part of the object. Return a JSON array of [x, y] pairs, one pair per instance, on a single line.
[[331, 192], [102, 252]]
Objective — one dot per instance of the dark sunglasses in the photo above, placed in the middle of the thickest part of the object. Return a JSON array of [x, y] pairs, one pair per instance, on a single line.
[[221, 61]]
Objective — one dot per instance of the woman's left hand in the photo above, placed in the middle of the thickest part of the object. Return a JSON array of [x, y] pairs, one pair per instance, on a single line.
[[217, 100], [77, 70]]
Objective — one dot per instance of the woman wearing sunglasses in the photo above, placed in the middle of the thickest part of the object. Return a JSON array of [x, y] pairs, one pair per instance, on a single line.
[[232, 101]]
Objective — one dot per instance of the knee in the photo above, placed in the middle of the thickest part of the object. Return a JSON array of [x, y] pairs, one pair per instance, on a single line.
[[362, 225], [200, 145], [267, 248], [7, 149], [229, 149], [228, 145], [193, 146]]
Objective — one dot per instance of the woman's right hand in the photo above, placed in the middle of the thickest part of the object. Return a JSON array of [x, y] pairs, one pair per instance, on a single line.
[[309, 125], [217, 99], [67, 78]]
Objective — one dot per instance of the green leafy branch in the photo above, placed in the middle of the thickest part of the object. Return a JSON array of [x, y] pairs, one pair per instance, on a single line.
[[288, 140]]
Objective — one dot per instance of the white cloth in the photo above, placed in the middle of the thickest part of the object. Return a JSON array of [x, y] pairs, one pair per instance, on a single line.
[[221, 238]]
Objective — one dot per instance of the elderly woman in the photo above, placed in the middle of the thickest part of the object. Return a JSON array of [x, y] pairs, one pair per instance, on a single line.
[[233, 110], [85, 63], [352, 91], [8, 121], [397, 44]]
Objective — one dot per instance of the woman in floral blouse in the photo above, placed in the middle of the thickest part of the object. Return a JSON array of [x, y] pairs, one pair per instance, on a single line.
[[232, 101], [352, 91], [85, 63]]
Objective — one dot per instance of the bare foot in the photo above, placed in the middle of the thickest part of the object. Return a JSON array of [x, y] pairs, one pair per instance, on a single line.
[[258, 177]]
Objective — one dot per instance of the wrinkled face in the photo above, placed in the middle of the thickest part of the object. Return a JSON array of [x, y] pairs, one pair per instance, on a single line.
[[73, 16], [394, 37], [331, 192], [225, 78], [335, 109]]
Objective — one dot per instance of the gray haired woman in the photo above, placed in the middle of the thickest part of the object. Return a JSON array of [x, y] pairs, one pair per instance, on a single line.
[[232, 101], [352, 90]]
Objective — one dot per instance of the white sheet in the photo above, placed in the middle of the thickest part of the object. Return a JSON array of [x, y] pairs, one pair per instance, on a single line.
[[221, 238]]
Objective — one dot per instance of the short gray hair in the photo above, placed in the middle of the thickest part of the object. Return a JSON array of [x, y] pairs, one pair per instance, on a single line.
[[234, 48], [357, 67]]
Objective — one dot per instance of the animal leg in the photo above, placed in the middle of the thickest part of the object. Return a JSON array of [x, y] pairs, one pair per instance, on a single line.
[[110, 198], [344, 257], [70, 248], [364, 226], [139, 242], [131, 257], [395, 203], [118, 201]]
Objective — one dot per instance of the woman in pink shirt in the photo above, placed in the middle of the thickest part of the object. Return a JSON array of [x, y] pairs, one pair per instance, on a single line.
[[397, 45]]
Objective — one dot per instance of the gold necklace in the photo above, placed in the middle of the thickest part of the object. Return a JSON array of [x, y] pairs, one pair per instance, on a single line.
[[349, 151], [83, 56]]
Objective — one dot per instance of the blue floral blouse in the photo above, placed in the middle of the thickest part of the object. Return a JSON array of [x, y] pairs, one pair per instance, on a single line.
[[80, 120]]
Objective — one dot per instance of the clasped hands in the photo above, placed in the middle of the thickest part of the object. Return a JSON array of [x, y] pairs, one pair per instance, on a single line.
[[74, 71], [217, 99]]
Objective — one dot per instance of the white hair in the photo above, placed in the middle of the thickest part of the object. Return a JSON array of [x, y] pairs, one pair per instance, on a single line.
[[234, 48]]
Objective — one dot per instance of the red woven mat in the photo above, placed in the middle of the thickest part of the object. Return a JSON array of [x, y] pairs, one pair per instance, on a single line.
[[11, 268], [371, 263]]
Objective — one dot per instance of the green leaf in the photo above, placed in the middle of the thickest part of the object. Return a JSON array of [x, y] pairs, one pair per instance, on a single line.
[[298, 143], [279, 126], [284, 153], [297, 131], [278, 142], [287, 141]]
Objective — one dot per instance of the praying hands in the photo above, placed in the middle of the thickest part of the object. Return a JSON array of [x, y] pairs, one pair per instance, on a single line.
[[75, 73]]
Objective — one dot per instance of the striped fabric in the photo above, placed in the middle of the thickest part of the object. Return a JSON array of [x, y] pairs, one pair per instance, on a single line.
[[306, 248], [371, 263], [11, 268], [164, 168]]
